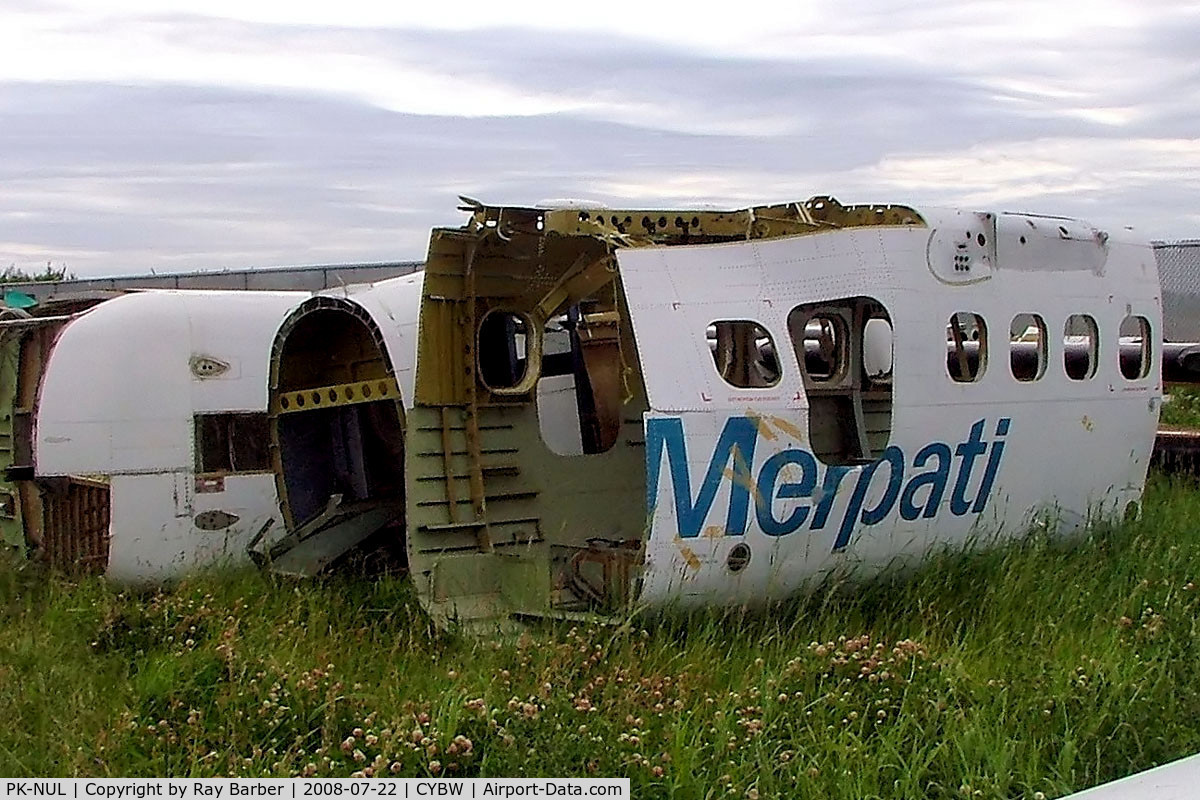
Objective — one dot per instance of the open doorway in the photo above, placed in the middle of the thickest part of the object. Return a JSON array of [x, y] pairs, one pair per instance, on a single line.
[[337, 423], [849, 385]]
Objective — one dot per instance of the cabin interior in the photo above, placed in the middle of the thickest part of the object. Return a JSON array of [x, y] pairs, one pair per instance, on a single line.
[[528, 391]]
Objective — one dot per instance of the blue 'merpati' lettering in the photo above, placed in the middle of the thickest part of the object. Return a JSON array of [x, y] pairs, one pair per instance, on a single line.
[[993, 464], [936, 480], [894, 458], [736, 444], [969, 450], [733, 457], [833, 479], [768, 476]]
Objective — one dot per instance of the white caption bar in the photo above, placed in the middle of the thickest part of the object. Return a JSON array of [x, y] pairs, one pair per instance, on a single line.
[[226, 788]]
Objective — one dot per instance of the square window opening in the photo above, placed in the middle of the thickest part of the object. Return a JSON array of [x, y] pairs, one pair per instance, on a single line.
[[580, 393], [232, 443], [743, 353]]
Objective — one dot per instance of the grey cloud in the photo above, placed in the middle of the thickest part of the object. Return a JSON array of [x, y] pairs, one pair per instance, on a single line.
[[124, 178], [803, 89], [121, 178]]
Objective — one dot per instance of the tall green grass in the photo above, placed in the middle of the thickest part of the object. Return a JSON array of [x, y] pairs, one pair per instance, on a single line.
[[1181, 408], [1042, 667]]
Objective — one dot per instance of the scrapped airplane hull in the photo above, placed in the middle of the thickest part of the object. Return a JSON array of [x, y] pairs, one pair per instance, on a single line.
[[610, 409], [966, 462], [159, 399], [574, 412]]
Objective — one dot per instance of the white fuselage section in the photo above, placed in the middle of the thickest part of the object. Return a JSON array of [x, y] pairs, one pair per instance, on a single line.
[[741, 507], [123, 398]]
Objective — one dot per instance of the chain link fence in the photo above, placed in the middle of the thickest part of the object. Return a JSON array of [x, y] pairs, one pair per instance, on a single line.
[[1179, 272]]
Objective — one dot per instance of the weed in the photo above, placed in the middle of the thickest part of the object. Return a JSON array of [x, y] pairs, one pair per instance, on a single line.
[[1043, 666], [1181, 408]]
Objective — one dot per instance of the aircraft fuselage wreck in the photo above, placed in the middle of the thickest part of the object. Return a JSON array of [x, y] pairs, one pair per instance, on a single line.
[[572, 410]]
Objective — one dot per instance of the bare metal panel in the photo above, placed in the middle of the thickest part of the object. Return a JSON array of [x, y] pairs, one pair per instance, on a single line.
[[301, 278], [233, 282], [308, 280]]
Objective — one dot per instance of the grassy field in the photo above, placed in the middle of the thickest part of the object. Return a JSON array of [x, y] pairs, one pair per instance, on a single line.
[[1182, 408], [1029, 671]]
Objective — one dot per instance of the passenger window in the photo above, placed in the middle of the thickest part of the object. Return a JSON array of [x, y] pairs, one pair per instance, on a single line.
[[504, 351], [844, 349], [966, 343], [744, 354], [1135, 354], [230, 443], [1027, 347], [1081, 344]]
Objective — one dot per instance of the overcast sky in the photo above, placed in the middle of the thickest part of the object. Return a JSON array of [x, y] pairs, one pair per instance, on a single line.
[[176, 135]]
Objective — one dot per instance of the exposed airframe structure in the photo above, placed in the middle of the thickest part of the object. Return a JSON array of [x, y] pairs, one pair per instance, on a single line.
[[65, 520], [572, 410]]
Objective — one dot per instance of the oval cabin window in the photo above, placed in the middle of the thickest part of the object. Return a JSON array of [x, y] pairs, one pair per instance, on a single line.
[[1135, 354], [1081, 346], [1027, 347], [966, 347]]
